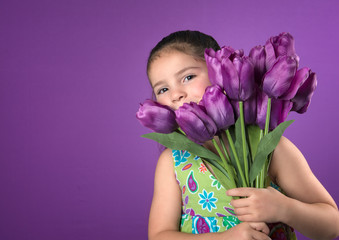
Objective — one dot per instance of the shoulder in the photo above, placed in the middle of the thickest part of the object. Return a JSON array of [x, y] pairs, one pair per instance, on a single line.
[[164, 167], [165, 158], [287, 157], [289, 168], [166, 154]]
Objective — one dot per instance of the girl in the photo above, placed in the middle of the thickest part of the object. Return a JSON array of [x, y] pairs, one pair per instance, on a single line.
[[192, 201]]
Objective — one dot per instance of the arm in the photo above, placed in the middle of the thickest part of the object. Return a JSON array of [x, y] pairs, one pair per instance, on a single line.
[[165, 212], [308, 207]]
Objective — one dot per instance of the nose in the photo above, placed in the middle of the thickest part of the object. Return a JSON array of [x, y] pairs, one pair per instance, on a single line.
[[178, 95]]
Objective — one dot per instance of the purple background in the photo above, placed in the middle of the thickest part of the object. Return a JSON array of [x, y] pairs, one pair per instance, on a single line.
[[72, 73]]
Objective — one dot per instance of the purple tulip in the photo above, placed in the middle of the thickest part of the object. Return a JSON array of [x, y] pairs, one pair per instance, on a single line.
[[278, 79], [262, 100], [281, 45], [238, 77], [157, 117], [300, 77], [250, 109], [279, 111], [258, 56], [218, 107], [213, 61], [302, 99], [194, 121], [224, 52]]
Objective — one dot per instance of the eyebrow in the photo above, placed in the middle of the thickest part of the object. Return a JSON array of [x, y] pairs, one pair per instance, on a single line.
[[176, 74]]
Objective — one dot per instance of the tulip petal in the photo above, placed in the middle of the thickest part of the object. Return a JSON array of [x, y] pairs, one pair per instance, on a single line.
[[302, 99], [230, 78], [246, 79], [224, 52], [210, 52], [278, 79], [281, 45], [189, 123], [193, 120], [270, 55], [157, 117], [258, 56], [298, 80], [218, 107], [262, 100], [279, 112], [214, 70], [250, 110], [284, 45]]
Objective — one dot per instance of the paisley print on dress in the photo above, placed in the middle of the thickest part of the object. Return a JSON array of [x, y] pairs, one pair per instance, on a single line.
[[205, 205], [192, 183]]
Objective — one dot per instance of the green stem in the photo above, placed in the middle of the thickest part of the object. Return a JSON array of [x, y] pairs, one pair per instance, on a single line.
[[227, 166], [268, 116], [257, 180], [227, 155], [230, 141], [244, 150], [181, 131], [219, 151], [224, 148], [262, 176], [263, 171]]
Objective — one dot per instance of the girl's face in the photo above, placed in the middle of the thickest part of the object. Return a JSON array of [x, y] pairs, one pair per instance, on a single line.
[[178, 78]]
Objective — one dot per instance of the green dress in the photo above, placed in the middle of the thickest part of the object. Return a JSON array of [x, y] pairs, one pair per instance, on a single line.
[[205, 204]]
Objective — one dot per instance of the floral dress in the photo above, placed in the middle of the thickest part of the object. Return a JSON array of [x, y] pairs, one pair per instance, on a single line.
[[205, 205]]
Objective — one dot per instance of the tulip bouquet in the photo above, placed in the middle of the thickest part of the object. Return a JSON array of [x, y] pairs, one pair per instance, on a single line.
[[246, 105]]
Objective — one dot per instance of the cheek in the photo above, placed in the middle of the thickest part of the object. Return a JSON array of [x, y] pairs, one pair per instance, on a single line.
[[200, 90], [161, 101]]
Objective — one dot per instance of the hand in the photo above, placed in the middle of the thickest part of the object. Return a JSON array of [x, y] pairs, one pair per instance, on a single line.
[[259, 205], [248, 231]]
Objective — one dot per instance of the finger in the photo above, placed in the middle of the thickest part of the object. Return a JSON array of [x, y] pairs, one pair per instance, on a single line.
[[242, 211], [240, 192], [246, 218], [256, 235], [238, 203], [260, 236], [260, 226]]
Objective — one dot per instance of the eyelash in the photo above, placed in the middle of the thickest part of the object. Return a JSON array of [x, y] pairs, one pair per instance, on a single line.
[[163, 90], [192, 76]]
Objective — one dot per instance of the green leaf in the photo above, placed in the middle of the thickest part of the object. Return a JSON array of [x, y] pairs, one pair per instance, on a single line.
[[238, 142], [178, 141], [225, 182], [239, 150], [266, 146], [253, 133]]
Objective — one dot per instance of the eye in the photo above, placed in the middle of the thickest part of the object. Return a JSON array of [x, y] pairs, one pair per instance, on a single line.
[[162, 90], [189, 77]]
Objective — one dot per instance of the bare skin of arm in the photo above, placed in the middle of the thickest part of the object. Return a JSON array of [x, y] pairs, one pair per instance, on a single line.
[[165, 215], [307, 206]]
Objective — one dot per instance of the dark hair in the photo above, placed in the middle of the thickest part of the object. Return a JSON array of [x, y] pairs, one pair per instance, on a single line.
[[192, 43]]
